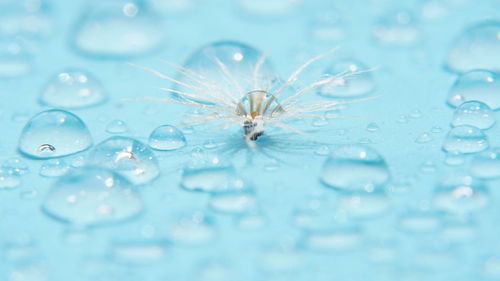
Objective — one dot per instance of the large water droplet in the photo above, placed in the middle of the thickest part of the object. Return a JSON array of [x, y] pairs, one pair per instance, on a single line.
[[473, 113], [397, 29], [476, 48], [355, 167], [54, 133], [229, 65], [478, 85], [73, 89], [351, 86], [465, 139], [128, 157], [167, 137], [91, 196], [118, 29], [460, 195], [486, 165]]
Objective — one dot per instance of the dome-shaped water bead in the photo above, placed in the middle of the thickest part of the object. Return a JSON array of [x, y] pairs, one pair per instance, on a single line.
[[167, 137], [54, 133], [73, 89], [477, 85], [465, 139], [473, 113], [90, 196], [128, 157], [352, 86]]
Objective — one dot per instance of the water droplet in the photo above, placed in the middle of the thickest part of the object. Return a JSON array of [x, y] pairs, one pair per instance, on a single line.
[[235, 202], [355, 167], [116, 127], [54, 133], [167, 137], [193, 230], [486, 165], [364, 205], [8, 180], [118, 29], [372, 127], [436, 130], [14, 60], [139, 252], [460, 195], [209, 174], [128, 157], [25, 19], [420, 222], [337, 240], [415, 114], [476, 48], [402, 119], [473, 113], [15, 166], [465, 139], [478, 85], [350, 86], [423, 138], [268, 9], [397, 29], [54, 168], [73, 89], [238, 59], [92, 196]]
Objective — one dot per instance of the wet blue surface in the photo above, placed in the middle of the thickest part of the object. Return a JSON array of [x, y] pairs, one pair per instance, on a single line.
[[405, 188]]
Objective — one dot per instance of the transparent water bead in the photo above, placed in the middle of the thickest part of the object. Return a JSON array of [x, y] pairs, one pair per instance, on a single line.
[[195, 229], [118, 29], [54, 168], [476, 48], [73, 89], [465, 139], [486, 165], [477, 85], [15, 166], [128, 157], [352, 86], [117, 127], [336, 240], [54, 133], [459, 194], [208, 173], [92, 196], [354, 168], [8, 179], [268, 9], [473, 113], [239, 61], [15, 61], [139, 252], [167, 137], [398, 29]]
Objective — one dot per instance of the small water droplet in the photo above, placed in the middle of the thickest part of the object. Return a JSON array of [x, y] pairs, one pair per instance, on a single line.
[[92, 196], [235, 202], [73, 89], [460, 195], [116, 127], [403, 119], [423, 138], [320, 122], [476, 48], [372, 127], [420, 222], [14, 60], [16, 166], [139, 252], [473, 113], [363, 205], [128, 157], [477, 85], [167, 137], [54, 168], [8, 180], [322, 150], [54, 133], [349, 86], [465, 139], [337, 240], [355, 167], [397, 29], [193, 230]]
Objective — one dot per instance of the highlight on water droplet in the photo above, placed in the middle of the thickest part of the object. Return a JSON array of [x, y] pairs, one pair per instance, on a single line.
[[73, 88], [127, 157], [54, 133], [476, 48], [117, 127], [473, 113], [397, 29], [118, 29], [477, 85], [355, 168], [350, 86], [166, 137], [92, 196], [465, 139]]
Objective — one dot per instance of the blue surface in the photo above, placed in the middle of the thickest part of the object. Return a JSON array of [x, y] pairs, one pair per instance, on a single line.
[[292, 225]]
